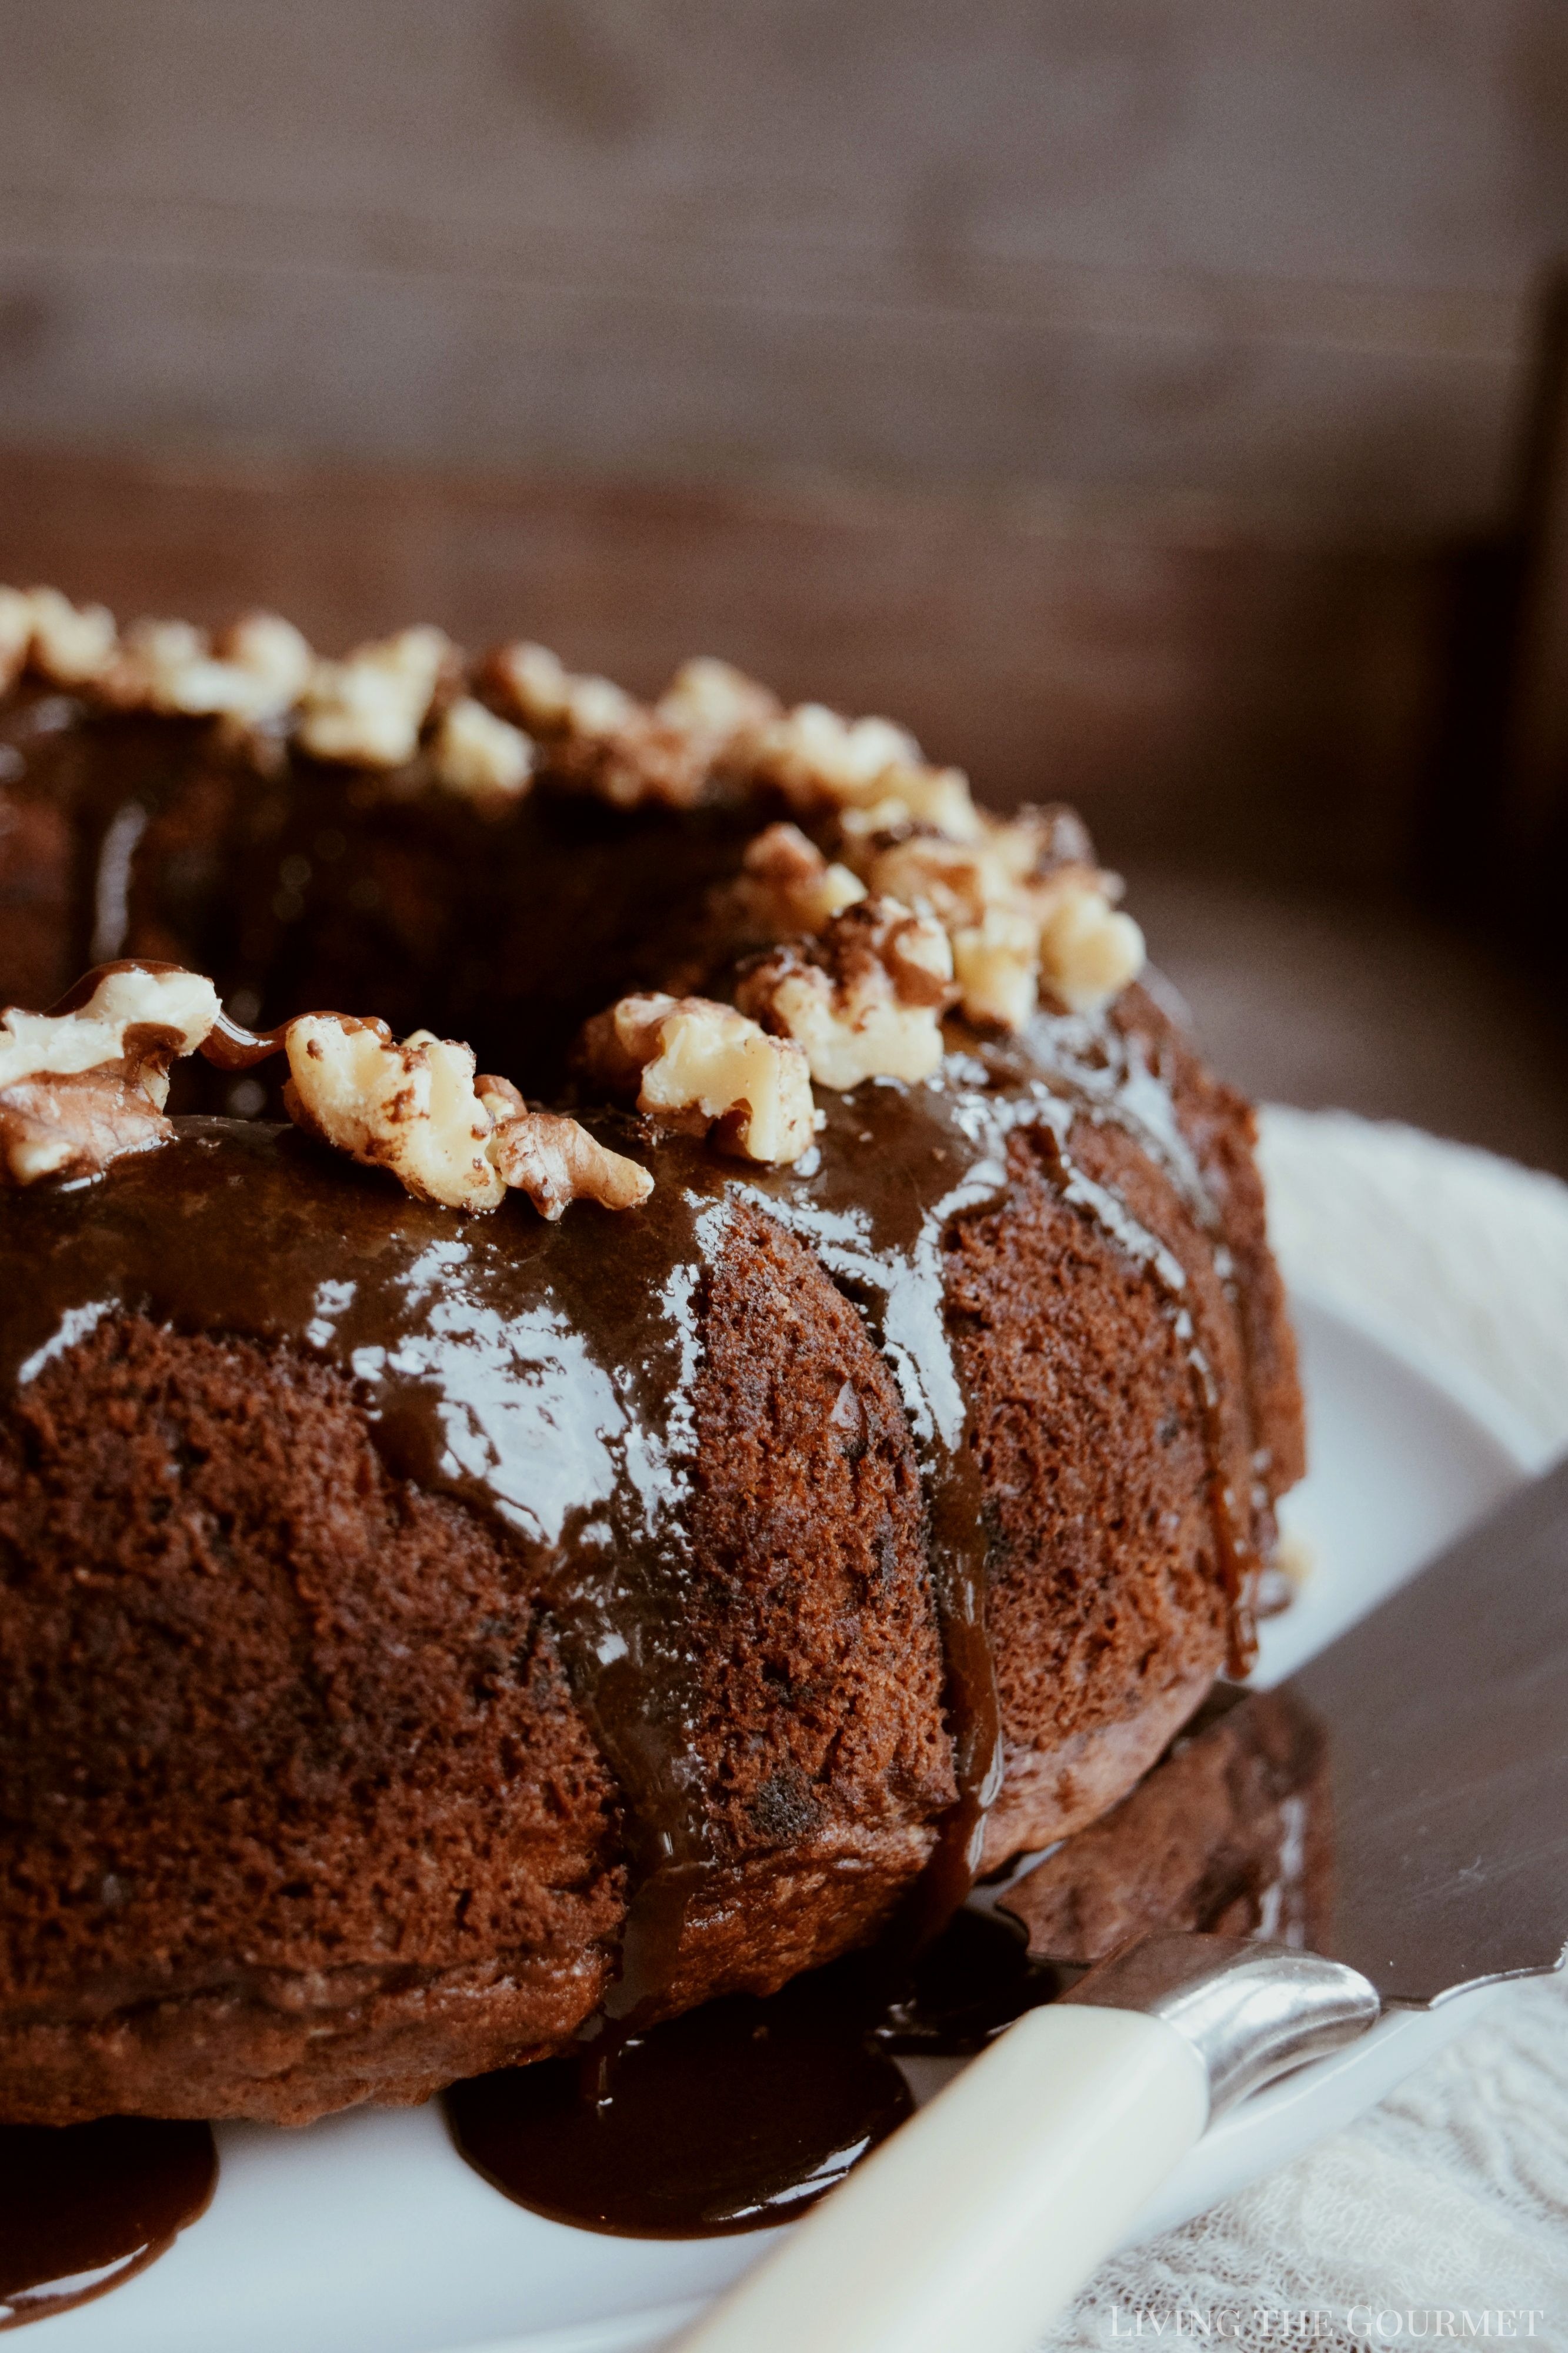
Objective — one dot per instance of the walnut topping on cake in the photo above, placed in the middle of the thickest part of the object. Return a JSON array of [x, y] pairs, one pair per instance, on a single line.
[[713, 701], [80, 1089], [867, 770], [1089, 949], [786, 885], [74, 644], [369, 710], [696, 1064], [996, 962], [555, 1160], [481, 756], [417, 1110], [988, 914], [255, 672], [1014, 918], [15, 634], [863, 1001], [409, 1108], [552, 700], [630, 752]]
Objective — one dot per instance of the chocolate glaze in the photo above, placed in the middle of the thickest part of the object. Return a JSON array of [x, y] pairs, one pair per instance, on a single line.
[[84, 2208], [738, 2115], [730, 2118], [898, 1166], [228, 1045], [542, 1372]]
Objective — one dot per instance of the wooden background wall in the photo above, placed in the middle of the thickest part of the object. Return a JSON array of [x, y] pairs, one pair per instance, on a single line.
[[1112, 387], [1265, 248]]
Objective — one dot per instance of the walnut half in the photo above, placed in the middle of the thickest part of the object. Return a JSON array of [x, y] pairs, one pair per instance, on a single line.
[[73, 645], [553, 1159], [701, 1065], [785, 885], [1015, 920], [863, 1001], [80, 1089], [417, 1110], [630, 752], [368, 711]]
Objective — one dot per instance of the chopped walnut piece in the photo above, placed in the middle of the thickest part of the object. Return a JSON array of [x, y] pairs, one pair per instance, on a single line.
[[1089, 949], [265, 647], [138, 1018], [256, 673], [711, 698], [969, 888], [698, 1064], [80, 1089], [74, 644], [481, 756], [629, 752], [555, 1161], [74, 1126], [1013, 918], [1034, 841], [368, 711], [865, 1000], [408, 1108], [15, 634], [956, 881], [867, 769], [418, 1111], [551, 700], [996, 962], [939, 798], [785, 885]]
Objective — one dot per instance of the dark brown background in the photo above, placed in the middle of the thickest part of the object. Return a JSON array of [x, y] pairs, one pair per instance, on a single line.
[[1140, 397]]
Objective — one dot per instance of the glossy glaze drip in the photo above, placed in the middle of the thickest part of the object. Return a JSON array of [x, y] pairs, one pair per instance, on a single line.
[[586, 1458], [84, 2208], [898, 1166], [1114, 1078], [1235, 1554], [542, 1373], [739, 2115], [228, 1045]]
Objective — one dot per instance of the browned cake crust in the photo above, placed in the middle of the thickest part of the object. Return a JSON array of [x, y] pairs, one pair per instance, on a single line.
[[308, 1790], [1093, 1459], [299, 1809]]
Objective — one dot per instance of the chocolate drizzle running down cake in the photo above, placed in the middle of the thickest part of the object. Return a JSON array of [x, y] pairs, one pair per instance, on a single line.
[[426, 1632]]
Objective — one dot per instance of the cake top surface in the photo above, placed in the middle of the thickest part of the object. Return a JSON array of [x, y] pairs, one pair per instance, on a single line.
[[857, 809], [851, 927]]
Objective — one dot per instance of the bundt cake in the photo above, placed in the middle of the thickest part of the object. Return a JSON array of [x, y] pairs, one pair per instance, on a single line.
[[430, 1618]]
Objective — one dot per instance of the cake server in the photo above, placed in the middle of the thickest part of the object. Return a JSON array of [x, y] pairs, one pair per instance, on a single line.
[[1446, 1714]]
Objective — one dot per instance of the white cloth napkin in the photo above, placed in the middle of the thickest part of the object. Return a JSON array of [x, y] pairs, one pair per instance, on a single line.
[[1452, 2197]]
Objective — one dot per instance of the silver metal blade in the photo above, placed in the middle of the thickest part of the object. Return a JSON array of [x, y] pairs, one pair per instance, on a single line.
[[1445, 1715]]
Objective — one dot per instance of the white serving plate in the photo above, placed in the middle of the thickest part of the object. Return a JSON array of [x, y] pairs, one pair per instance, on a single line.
[[368, 2234]]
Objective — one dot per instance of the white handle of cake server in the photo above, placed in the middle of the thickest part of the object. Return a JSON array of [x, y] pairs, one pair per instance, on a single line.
[[984, 2215]]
